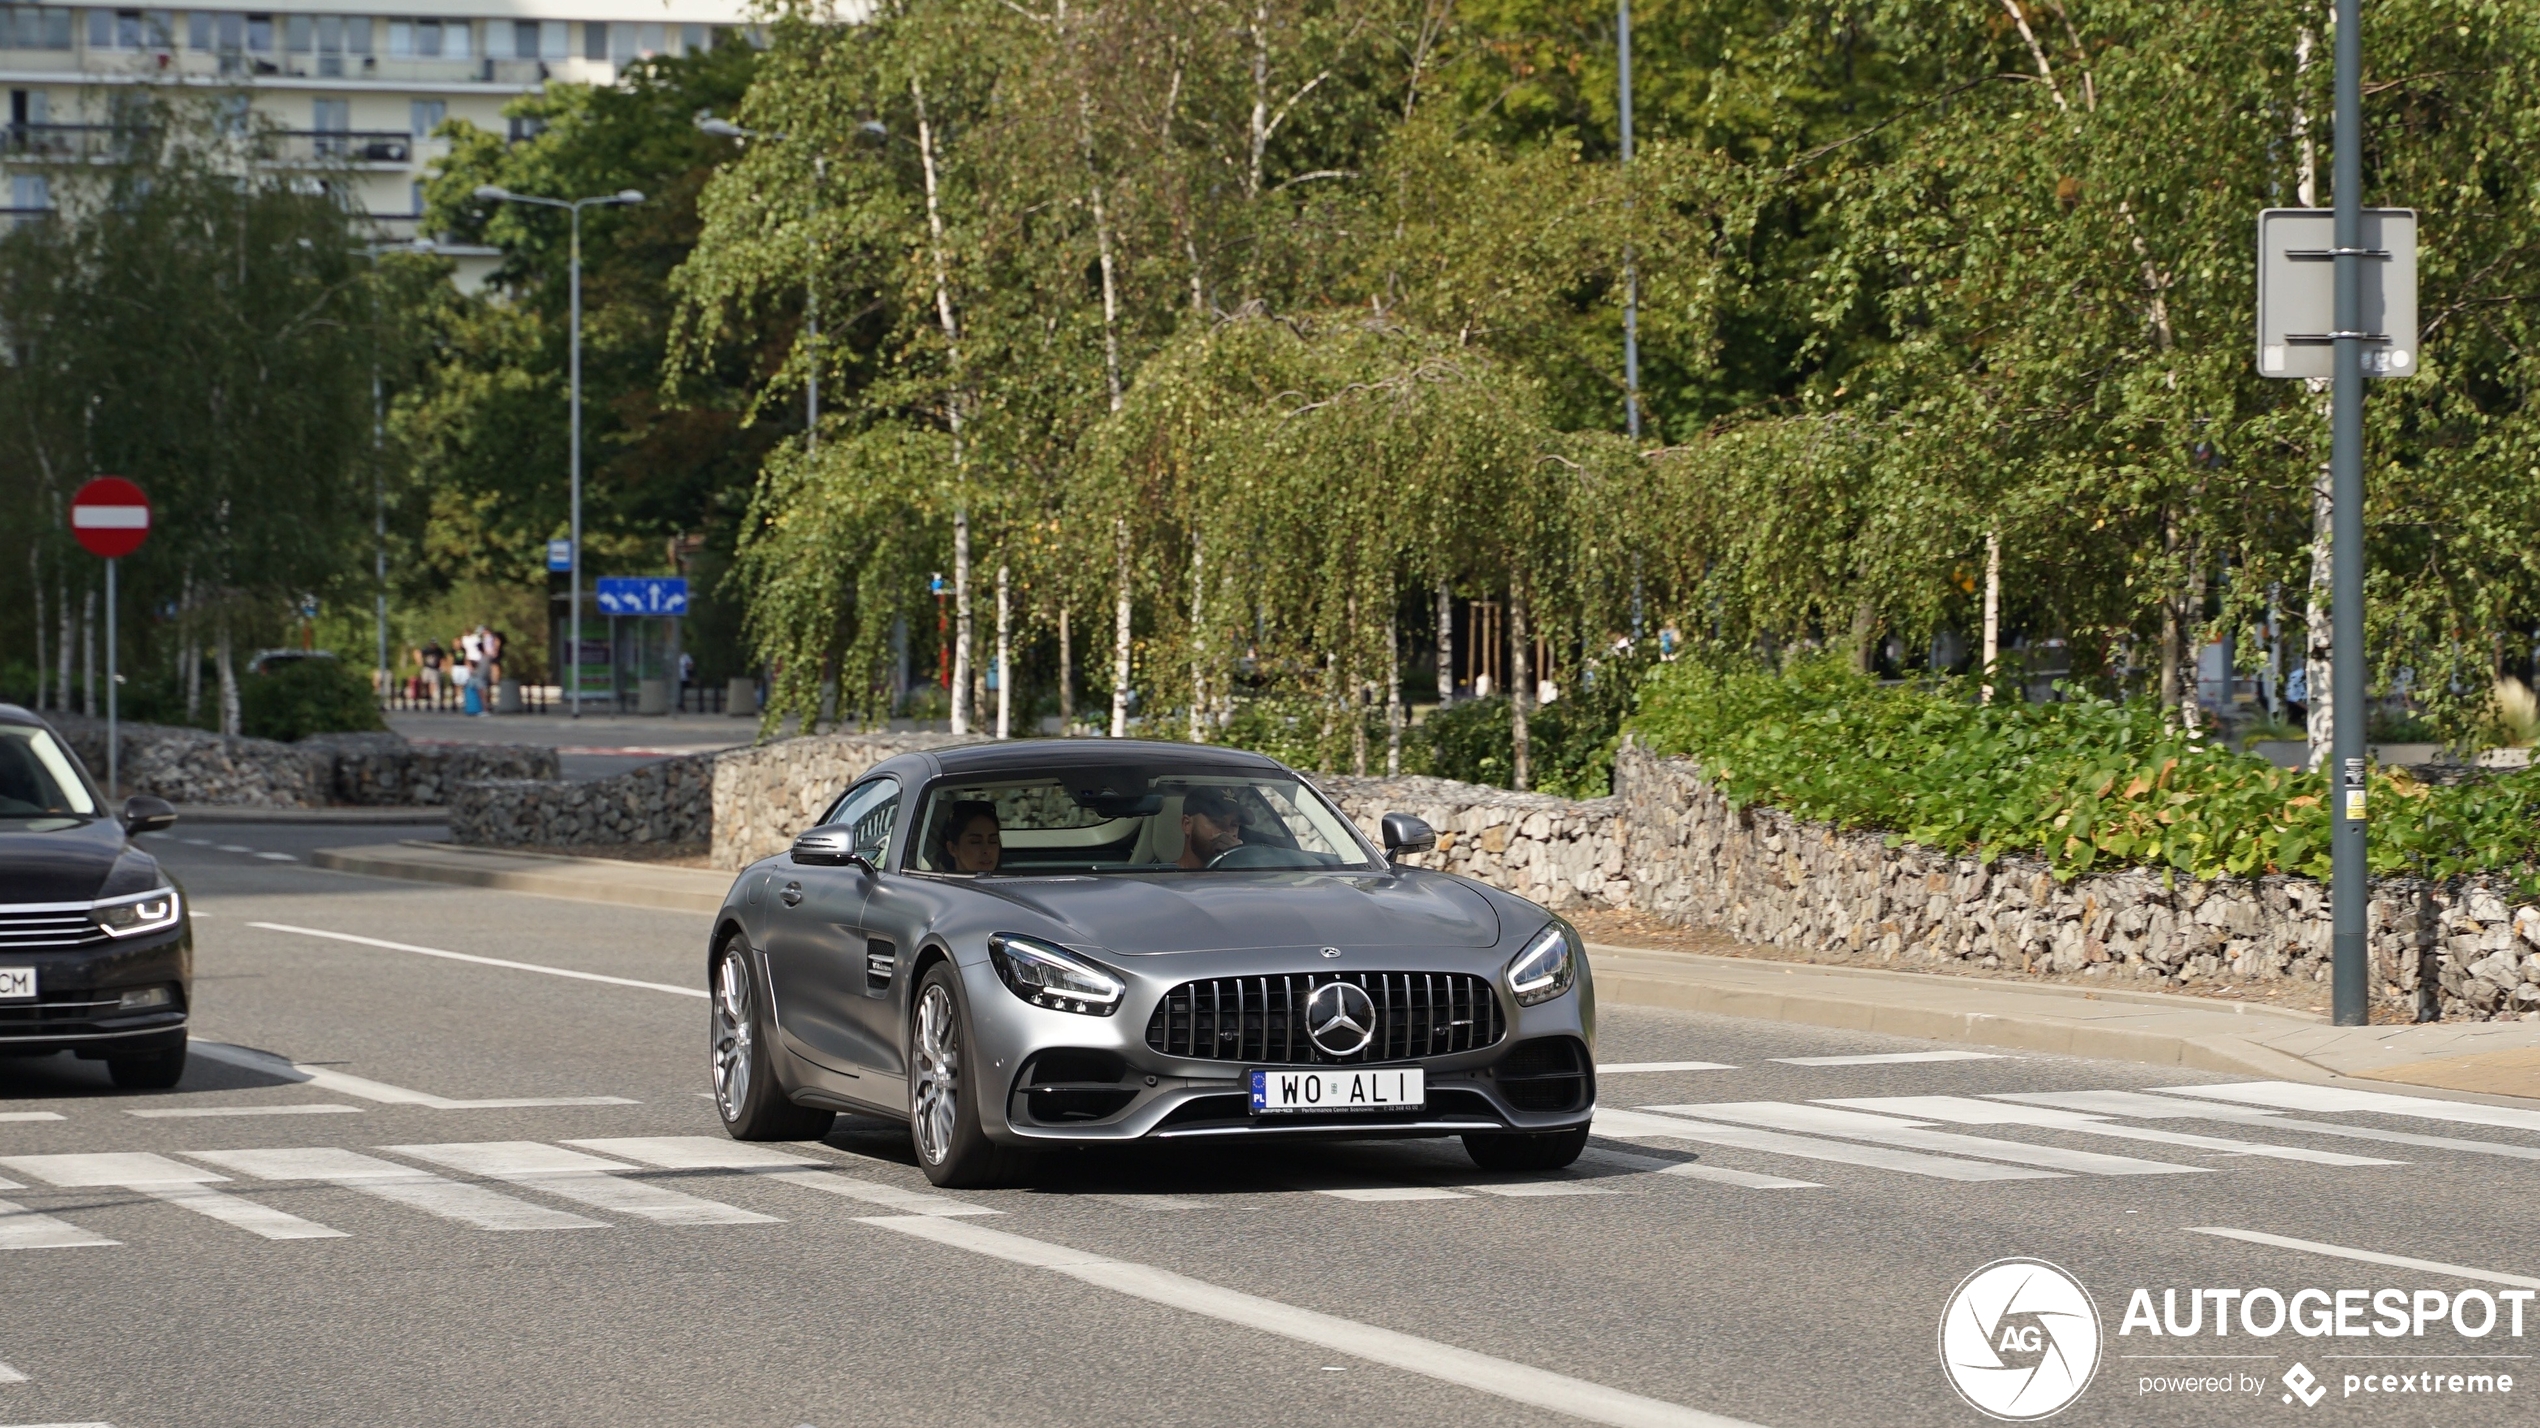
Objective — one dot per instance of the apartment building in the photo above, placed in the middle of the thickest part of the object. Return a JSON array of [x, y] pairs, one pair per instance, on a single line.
[[359, 90]]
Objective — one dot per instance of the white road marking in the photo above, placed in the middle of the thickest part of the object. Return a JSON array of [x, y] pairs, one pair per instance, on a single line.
[[343, 1084], [2135, 1103], [174, 1182], [1969, 1111], [279, 857], [1626, 1068], [58, 1425], [30, 1116], [196, 842], [22, 1228], [1892, 1058], [698, 992], [314, 1108], [1526, 1189], [1694, 1170], [1385, 1194], [586, 1178], [1501, 1378], [705, 1152], [400, 1184], [2394, 1261], [1632, 1125], [10, 1375], [1154, 1202], [232, 848], [2294, 1096], [1886, 1130]]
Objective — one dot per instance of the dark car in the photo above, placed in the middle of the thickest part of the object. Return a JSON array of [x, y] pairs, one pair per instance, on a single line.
[[1058, 943], [96, 946]]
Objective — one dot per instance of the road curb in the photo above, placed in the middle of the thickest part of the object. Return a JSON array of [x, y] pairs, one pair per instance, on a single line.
[[578, 879]]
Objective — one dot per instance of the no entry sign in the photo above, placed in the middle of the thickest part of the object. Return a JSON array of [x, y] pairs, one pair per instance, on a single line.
[[110, 517]]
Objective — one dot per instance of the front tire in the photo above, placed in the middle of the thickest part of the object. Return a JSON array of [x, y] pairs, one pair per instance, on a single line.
[[1525, 1150], [746, 1095], [150, 1071], [943, 1094]]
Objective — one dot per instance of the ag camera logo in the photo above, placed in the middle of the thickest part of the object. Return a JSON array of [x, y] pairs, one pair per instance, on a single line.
[[2020, 1340]]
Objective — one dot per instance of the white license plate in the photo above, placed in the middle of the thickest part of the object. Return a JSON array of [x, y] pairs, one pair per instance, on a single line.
[[17, 984], [1381, 1088]]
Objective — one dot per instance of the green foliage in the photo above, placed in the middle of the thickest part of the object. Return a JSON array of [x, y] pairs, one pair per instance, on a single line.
[[1573, 746], [2087, 784], [301, 697]]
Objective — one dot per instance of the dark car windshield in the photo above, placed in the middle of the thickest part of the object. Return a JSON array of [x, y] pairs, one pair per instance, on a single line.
[[37, 779], [1131, 820]]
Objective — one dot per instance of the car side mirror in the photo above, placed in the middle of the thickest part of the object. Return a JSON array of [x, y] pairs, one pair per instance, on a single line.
[[144, 814], [1406, 834], [829, 847]]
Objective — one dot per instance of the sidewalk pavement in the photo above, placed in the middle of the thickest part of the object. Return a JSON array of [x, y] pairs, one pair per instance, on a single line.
[[2492, 1059]]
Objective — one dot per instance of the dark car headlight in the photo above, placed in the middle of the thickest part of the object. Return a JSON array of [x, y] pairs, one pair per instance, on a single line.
[[1547, 967], [138, 913], [1050, 976]]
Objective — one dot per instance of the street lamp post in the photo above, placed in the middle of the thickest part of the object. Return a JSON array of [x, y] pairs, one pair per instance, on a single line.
[[492, 194], [726, 129]]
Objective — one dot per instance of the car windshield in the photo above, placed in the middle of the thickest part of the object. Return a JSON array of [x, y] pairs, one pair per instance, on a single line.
[[1132, 820], [37, 779]]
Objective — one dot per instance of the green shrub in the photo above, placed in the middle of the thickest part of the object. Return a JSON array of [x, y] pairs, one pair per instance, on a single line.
[[2086, 784], [307, 696]]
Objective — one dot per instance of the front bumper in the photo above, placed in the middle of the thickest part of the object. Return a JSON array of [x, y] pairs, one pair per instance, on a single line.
[[1058, 1077], [78, 1006]]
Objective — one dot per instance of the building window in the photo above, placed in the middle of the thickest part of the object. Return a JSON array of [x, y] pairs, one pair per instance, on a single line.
[[595, 39], [414, 202], [331, 116], [425, 115], [30, 192], [260, 34], [551, 40], [35, 27], [300, 33], [454, 39], [29, 107]]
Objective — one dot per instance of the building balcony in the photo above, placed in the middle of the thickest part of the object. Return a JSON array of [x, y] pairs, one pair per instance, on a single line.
[[312, 148]]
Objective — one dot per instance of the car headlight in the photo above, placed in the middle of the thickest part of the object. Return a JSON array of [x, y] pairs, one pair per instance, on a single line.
[[139, 913], [1052, 977], [1546, 968]]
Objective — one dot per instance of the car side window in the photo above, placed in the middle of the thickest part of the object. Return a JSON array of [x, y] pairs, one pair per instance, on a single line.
[[872, 810]]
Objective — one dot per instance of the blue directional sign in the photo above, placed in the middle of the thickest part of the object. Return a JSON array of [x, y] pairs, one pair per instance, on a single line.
[[643, 595], [560, 556]]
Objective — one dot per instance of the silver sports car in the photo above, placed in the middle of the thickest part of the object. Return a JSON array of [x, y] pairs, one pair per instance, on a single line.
[[1022, 946]]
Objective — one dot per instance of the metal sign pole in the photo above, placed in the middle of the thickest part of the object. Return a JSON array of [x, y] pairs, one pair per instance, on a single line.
[[112, 770], [2348, 889]]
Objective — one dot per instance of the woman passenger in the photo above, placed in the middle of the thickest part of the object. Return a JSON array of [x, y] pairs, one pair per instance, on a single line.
[[970, 842]]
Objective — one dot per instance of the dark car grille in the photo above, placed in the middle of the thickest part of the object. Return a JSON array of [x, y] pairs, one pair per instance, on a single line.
[[63, 1014], [1262, 1019], [27, 929]]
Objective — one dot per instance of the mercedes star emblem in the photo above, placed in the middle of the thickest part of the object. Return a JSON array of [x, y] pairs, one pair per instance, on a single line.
[[1340, 1018], [1331, 952]]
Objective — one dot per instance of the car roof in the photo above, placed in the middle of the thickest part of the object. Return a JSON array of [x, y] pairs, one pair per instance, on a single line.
[[18, 714], [1027, 755]]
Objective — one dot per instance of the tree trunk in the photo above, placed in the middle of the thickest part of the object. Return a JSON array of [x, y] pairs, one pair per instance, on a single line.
[[2169, 619], [961, 622], [1393, 695], [1357, 702], [2191, 634], [1521, 687], [1446, 646], [69, 625], [88, 652], [228, 668], [35, 581], [2318, 675], [1005, 653], [1199, 645], [1992, 609], [1120, 612], [191, 652], [1066, 676], [1865, 635]]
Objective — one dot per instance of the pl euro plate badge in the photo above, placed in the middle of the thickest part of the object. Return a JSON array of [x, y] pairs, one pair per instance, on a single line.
[[17, 984], [1375, 1088]]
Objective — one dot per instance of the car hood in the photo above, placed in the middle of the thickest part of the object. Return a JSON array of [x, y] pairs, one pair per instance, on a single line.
[[56, 859], [1136, 914]]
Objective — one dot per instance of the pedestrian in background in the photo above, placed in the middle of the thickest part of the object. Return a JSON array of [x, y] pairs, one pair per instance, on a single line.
[[433, 659]]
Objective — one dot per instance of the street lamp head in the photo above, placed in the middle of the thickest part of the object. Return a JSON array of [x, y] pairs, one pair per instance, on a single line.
[[488, 193], [720, 128], [627, 195], [875, 128]]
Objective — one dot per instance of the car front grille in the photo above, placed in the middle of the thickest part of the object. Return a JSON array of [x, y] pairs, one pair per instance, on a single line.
[[1262, 1019], [61, 1014], [27, 928]]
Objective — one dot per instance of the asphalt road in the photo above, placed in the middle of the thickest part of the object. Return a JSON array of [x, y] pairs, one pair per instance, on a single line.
[[420, 1270]]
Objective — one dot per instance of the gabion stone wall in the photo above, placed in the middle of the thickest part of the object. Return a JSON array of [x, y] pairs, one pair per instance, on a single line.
[[195, 766]]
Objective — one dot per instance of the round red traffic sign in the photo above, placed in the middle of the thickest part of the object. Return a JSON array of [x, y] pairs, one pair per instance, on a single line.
[[110, 517]]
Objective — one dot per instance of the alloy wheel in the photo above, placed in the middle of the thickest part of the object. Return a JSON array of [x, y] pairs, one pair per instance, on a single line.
[[733, 1033], [935, 1088]]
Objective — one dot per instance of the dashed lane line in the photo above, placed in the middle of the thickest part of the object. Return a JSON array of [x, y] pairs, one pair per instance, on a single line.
[[1887, 1130], [22, 1228], [2394, 1261], [588, 1179], [184, 1186], [1385, 1194], [345, 1084], [30, 1116], [387, 946], [313, 1108], [1970, 1111], [2295, 1096], [1500, 1378], [1892, 1058], [398, 1184], [1633, 1125], [2136, 1103], [1633, 1068]]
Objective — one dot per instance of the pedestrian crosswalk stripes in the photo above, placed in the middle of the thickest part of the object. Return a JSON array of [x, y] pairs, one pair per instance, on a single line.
[[657, 1181]]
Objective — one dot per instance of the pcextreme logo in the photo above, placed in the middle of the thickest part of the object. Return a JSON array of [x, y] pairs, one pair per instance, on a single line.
[[2020, 1340]]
